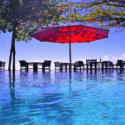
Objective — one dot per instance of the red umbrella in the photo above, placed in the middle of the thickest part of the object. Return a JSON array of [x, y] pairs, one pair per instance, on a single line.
[[70, 34]]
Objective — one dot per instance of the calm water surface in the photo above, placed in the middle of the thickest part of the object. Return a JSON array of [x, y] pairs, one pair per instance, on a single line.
[[52, 98]]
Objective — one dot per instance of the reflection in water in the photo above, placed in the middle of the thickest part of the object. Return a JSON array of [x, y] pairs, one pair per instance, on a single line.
[[46, 78], [120, 71], [11, 80], [12, 90], [55, 98], [23, 77], [2, 76], [107, 71]]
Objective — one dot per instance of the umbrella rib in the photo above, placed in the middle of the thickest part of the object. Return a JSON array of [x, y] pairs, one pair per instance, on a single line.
[[84, 38], [94, 33], [96, 28], [46, 30], [89, 31], [50, 29], [77, 32], [60, 35], [48, 36], [87, 40]]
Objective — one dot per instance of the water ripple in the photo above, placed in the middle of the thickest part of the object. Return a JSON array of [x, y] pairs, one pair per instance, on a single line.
[[52, 98]]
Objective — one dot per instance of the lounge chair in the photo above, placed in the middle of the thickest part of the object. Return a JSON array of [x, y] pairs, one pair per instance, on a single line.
[[57, 65], [2, 65], [78, 65], [118, 64], [107, 64], [23, 65], [111, 65], [88, 61], [64, 66], [46, 65], [122, 64]]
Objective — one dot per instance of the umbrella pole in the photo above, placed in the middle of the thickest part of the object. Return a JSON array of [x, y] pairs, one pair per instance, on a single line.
[[70, 53]]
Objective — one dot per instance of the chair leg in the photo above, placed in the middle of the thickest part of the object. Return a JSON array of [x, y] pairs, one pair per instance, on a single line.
[[74, 69], [43, 69], [87, 68]]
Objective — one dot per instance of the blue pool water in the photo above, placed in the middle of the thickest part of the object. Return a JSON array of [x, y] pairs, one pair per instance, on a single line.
[[52, 98]]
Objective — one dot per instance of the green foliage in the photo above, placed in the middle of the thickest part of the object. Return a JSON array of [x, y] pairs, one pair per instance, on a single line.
[[98, 13], [28, 16]]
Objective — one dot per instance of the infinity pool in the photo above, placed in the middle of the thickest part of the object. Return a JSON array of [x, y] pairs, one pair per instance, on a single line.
[[52, 98]]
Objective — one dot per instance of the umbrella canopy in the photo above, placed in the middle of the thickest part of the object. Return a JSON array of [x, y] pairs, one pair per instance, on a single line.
[[78, 33], [70, 34]]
